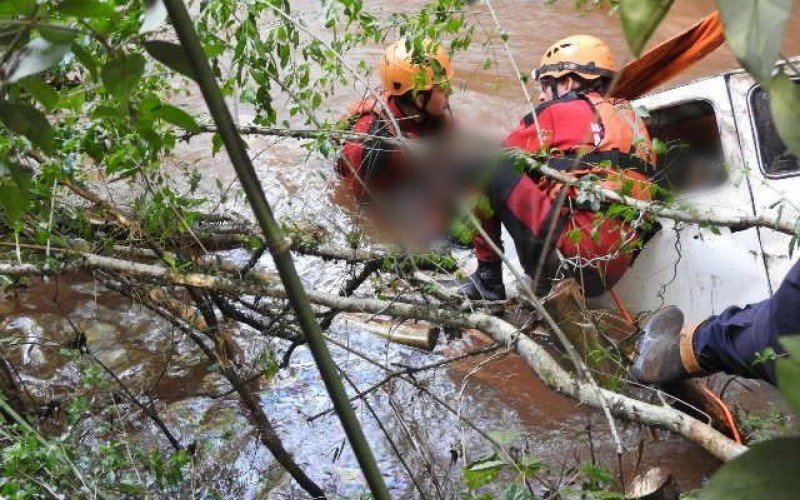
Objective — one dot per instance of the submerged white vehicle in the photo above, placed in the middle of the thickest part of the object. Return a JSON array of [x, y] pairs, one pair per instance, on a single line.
[[735, 163]]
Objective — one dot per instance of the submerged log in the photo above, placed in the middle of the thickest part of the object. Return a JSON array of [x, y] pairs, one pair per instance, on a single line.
[[421, 335]]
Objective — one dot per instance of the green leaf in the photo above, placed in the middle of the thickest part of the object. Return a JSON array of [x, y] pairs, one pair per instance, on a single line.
[[86, 58], [516, 492], [764, 356], [768, 470], [531, 465], [784, 99], [35, 57], [640, 18], [24, 119], [754, 31], [86, 8], [106, 112], [154, 15], [170, 55], [14, 186], [575, 236], [484, 206], [177, 117], [216, 143], [788, 371], [597, 474], [11, 8], [42, 92], [57, 33], [121, 74], [13, 200], [505, 436], [482, 471], [214, 47], [487, 465]]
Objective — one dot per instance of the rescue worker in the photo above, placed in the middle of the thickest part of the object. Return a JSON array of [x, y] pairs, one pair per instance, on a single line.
[[730, 342], [416, 95], [580, 131]]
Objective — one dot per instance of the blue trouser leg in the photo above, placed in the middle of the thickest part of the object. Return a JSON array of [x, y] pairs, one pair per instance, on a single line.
[[731, 341]]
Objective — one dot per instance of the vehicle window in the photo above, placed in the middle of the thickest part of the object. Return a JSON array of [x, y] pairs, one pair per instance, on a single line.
[[775, 157], [692, 158]]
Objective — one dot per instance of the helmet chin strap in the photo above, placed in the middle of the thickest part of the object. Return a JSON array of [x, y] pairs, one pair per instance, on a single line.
[[426, 99], [554, 89], [421, 108], [411, 102]]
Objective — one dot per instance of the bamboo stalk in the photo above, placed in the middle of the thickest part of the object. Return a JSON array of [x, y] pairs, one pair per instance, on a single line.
[[279, 245]]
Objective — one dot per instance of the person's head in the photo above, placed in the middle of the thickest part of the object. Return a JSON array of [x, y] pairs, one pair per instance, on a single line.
[[580, 63], [419, 77]]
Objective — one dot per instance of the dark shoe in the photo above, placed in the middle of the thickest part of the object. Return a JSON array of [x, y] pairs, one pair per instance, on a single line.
[[658, 352], [486, 283]]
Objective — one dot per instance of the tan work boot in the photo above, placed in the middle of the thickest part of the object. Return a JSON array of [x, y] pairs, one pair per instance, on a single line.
[[664, 352]]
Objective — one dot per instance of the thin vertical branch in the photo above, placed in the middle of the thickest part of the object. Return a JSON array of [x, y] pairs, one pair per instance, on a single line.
[[516, 70], [278, 244], [530, 296]]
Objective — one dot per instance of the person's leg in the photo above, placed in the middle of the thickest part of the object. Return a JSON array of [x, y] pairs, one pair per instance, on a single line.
[[731, 341], [728, 342], [527, 214], [525, 210], [487, 282]]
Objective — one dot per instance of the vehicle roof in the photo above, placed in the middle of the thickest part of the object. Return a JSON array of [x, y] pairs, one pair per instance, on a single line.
[[724, 74]]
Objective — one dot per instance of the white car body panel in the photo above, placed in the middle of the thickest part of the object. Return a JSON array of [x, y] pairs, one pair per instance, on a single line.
[[710, 271]]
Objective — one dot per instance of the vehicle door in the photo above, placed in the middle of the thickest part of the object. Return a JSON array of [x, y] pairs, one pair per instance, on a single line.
[[774, 172], [702, 270]]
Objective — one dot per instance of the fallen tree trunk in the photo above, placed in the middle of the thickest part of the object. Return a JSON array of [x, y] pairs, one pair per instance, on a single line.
[[537, 358]]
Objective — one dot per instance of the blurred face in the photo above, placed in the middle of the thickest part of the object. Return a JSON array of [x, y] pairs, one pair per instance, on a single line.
[[438, 103]]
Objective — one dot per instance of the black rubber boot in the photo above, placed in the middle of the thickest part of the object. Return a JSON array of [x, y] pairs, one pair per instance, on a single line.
[[658, 352], [486, 283]]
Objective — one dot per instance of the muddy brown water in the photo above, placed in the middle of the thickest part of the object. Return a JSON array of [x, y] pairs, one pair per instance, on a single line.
[[500, 395]]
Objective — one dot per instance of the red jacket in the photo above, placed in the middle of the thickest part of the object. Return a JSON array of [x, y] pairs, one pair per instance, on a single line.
[[576, 124], [370, 164], [582, 123]]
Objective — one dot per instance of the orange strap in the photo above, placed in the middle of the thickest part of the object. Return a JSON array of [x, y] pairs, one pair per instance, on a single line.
[[726, 412], [622, 309], [669, 58]]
